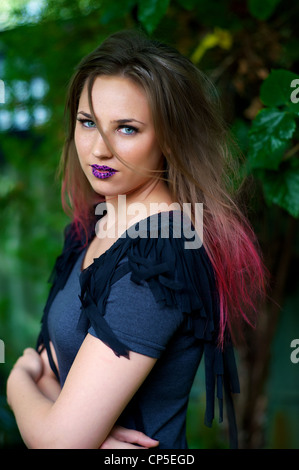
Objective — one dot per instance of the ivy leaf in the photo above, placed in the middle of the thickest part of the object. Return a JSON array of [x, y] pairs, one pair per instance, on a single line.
[[262, 9], [150, 12], [269, 138], [277, 89], [282, 187]]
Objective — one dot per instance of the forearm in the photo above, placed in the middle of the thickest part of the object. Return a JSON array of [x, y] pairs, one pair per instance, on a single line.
[[30, 406], [50, 387]]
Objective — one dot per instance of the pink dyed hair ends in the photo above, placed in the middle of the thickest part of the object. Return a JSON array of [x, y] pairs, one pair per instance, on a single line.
[[241, 276]]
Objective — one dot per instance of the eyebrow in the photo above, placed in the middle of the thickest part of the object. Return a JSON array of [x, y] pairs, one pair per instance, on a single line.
[[85, 114], [118, 121]]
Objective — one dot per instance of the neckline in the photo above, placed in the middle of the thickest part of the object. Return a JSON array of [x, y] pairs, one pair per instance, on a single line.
[[124, 237]]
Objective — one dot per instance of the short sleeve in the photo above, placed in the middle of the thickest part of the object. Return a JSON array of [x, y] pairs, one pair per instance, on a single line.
[[136, 320]]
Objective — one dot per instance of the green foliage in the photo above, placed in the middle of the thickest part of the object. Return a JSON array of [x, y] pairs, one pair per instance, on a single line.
[[276, 90], [282, 187], [273, 142], [269, 137], [151, 12], [262, 9]]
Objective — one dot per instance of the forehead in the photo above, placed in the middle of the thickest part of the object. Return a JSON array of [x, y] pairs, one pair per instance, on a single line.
[[113, 95]]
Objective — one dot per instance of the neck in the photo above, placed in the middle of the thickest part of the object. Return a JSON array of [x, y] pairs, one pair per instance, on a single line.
[[125, 210]]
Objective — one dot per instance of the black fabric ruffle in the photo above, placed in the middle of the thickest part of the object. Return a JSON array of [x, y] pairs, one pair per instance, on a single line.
[[178, 277], [58, 278]]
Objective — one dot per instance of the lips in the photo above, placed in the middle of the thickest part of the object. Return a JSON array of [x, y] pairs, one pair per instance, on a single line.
[[102, 171]]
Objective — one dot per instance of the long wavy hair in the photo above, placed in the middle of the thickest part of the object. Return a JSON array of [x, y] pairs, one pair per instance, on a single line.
[[199, 166]]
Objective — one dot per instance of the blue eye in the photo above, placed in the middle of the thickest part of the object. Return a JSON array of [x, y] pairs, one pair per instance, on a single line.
[[87, 123], [128, 130]]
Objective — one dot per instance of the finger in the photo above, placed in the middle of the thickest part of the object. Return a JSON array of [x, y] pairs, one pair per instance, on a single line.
[[27, 351], [133, 436], [30, 351], [112, 443]]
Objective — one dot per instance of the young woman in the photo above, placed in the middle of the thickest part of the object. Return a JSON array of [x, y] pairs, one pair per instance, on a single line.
[[133, 308]]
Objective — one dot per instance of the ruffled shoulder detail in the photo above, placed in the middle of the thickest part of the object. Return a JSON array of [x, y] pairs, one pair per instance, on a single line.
[[179, 273]]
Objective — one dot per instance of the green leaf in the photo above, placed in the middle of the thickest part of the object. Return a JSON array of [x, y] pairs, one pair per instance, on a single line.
[[262, 9], [282, 187], [150, 12], [269, 138], [277, 89]]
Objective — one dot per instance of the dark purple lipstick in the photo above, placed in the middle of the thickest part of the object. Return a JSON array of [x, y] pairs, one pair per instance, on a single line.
[[102, 171]]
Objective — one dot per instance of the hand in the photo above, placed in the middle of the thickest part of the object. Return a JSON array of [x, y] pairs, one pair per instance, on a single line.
[[31, 362], [122, 438]]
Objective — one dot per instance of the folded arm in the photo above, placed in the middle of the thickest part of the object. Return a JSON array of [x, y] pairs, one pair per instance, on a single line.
[[97, 389]]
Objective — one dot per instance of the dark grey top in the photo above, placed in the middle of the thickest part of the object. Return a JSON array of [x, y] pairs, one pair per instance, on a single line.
[[153, 293], [160, 405]]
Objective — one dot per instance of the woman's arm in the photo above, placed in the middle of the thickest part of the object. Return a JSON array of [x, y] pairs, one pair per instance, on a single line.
[[119, 437], [48, 383], [98, 388]]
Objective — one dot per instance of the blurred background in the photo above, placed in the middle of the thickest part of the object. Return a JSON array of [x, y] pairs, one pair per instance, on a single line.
[[250, 50]]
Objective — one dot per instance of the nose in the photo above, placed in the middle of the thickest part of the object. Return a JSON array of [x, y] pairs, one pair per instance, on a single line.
[[101, 146]]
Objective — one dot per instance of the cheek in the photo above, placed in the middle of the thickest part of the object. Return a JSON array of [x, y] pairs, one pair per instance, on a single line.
[[81, 144], [146, 152], [154, 154]]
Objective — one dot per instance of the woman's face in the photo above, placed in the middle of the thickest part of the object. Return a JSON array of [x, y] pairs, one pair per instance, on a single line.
[[122, 110]]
